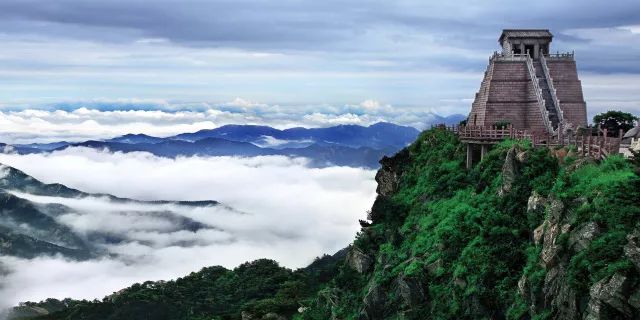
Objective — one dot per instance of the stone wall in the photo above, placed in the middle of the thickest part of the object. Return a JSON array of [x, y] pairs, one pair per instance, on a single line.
[[569, 90], [506, 94]]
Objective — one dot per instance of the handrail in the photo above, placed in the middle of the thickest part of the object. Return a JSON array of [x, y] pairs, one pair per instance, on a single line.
[[510, 57], [538, 91], [600, 146], [563, 55], [552, 89]]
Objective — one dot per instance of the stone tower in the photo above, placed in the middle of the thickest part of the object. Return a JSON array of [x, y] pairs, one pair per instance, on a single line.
[[529, 87]]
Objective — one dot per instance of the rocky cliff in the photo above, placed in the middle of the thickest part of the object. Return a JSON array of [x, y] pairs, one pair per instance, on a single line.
[[526, 234]]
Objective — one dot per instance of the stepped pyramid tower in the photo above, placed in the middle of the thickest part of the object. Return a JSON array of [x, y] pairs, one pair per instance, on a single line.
[[529, 87]]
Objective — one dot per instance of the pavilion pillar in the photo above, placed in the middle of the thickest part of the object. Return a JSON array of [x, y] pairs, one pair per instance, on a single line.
[[469, 155], [483, 150], [536, 50]]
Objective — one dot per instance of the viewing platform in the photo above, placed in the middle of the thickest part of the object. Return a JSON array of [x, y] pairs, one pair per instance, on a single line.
[[479, 140]]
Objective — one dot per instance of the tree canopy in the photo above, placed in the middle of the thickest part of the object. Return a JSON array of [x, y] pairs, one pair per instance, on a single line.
[[614, 120]]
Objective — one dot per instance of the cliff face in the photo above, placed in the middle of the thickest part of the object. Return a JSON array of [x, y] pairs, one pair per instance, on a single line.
[[526, 234]]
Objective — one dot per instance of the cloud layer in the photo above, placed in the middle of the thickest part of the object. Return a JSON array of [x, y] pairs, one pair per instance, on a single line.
[[100, 120], [281, 210]]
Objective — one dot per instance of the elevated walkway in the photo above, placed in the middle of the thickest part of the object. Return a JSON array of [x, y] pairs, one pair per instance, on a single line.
[[479, 140]]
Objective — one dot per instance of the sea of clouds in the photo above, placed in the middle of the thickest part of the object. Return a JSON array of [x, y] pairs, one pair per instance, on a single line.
[[100, 119], [273, 207]]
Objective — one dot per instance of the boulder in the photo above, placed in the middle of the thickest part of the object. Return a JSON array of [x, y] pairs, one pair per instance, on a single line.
[[388, 177], [536, 203], [607, 295], [358, 260], [522, 156], [509, 172], [523, 286], [374, 302], [538, 233], [555, 208], [246, 316], [581, 237], [549, 247], [409, 290], [559, 295], [632, 249]]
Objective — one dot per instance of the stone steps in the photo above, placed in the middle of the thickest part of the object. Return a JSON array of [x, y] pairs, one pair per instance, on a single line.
[[546, 94]]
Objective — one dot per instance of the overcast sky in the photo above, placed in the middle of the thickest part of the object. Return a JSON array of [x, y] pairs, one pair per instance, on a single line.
[[410, 55]]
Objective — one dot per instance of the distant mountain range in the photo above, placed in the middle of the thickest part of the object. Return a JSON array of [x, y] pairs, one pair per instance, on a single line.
[[30, 228], [343, 145]]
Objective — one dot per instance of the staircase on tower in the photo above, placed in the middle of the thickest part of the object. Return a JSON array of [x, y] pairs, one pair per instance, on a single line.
[[528, 87]]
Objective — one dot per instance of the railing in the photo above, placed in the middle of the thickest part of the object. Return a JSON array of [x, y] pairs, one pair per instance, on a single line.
[[599, 146], [563, 55], [552, 89], [508, 57], [538, 91]]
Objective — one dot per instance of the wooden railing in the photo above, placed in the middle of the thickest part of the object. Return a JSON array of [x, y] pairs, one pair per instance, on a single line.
[[598, 146]]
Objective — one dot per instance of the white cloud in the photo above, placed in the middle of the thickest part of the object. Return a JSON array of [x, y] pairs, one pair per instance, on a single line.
[[283, 210], [91, 122], [4, 171]]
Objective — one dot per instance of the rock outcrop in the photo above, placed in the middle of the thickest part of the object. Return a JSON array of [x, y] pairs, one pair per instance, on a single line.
[[358, 260], [388, 177]]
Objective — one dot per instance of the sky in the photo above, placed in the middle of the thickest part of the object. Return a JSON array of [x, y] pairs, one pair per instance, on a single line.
[[312, 63]]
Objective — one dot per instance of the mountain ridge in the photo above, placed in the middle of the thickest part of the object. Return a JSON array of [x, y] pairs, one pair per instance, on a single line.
[[29, 228], [343, 145]]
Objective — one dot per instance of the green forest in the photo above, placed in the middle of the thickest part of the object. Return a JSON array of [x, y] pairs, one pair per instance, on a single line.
[[527, 233]]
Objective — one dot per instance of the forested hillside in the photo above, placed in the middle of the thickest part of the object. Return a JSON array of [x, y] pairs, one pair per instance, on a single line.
[[526, 234]]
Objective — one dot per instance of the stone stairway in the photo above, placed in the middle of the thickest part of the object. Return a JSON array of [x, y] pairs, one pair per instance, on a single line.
[[546, 94]]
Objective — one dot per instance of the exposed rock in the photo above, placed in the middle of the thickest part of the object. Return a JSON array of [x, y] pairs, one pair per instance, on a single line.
[[536, 203], [555, 209], [549, 247], [246, 316], [388, 177], [559, 295], [522, 156], [523, 286], [608, 295], [374, 302], [538, 233], [359, 260], [632, 249], [410, 290], [581, 237], [509, 171]]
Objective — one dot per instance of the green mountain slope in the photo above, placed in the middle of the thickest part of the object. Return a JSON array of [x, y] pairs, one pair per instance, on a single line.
[[526, 234]]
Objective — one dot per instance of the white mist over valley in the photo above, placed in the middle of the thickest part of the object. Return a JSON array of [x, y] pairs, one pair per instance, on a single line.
[[271, 207]]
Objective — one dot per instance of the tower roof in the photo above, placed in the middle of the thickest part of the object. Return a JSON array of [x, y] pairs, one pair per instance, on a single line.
[[525, 33]]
